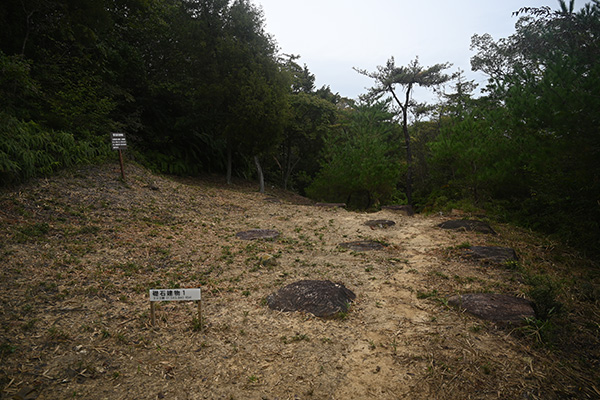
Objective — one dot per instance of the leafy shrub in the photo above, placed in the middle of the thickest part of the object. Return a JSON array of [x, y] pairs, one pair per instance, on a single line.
[[544, 293], [28, 150], [360, 161]]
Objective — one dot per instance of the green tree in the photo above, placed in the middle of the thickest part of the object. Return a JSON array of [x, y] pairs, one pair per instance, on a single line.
[[546, 78], [359, 165], [387, 78], [18, 90], [257, 88], [311, 115]]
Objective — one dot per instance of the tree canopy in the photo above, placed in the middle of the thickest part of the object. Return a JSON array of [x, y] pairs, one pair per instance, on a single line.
[[387, 77], [200, 86], [187, 80], [531, 144]]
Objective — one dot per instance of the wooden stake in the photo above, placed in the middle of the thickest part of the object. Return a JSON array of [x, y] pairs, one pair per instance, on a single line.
[[121, 162], [200, 313], [152, 313]]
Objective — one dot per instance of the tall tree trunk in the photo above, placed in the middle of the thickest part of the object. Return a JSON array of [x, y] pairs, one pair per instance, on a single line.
[[291, 165], [261, 177], [288, 163], [409, 167], [27, 32], [229, 162]]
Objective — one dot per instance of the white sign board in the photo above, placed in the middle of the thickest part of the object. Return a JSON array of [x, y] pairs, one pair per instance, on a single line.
[[174, 294], [118, 141]]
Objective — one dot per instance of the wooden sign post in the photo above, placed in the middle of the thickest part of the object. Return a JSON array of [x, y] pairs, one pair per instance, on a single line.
[[119, 142], [174, 295]]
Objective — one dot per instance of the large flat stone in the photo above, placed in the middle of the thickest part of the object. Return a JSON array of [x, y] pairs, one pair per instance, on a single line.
[[468, 225], [254, 234], [363, 245], [500, 308], [380, 223], [404, 209], [493, 254], [331, 205], [324, 299]]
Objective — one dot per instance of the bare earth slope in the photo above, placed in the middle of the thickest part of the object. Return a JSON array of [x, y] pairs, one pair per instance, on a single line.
[[79, 253]]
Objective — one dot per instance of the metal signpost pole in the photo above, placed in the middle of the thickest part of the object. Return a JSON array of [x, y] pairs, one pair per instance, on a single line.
[[119, 142]]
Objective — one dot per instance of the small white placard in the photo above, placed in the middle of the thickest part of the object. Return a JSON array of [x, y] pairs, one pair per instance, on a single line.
[[174, 294], [118, 140]]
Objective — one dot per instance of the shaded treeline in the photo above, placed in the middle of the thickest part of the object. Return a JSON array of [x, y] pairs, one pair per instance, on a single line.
[[530, 147], [199, 86]]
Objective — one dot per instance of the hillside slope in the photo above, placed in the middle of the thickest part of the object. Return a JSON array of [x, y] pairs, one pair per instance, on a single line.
[[80, 251]]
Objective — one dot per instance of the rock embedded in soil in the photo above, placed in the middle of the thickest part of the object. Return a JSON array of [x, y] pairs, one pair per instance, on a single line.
[[500, 308], [380, 223], [267, 260], [324, 299], [254, 234], [331, 205], [492, 254], [468, 225], [406, 209], [362, 245]]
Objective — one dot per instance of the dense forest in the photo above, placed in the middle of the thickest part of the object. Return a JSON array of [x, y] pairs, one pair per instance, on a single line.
[[199, 87]]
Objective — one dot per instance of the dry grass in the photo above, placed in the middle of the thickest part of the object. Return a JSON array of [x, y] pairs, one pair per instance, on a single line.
[[80, 251]]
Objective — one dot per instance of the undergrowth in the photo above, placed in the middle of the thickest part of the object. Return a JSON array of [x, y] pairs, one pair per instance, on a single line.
[[28, 150]]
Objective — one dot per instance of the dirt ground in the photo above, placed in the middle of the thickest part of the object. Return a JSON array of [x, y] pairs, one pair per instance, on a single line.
[[79, 253]]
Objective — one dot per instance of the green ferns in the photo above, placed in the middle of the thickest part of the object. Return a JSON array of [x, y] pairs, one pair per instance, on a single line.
[[27, 150]]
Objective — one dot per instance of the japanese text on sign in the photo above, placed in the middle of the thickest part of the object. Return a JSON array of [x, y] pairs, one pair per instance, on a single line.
[[118, 141], [174, 294]]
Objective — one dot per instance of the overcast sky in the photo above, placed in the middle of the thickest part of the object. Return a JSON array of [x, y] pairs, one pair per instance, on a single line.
[[332, 36]]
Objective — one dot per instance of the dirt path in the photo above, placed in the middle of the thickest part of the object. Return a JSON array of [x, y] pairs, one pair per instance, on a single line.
[[80, 252]]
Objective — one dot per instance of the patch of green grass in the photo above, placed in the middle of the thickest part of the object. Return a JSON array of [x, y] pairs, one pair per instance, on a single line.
[[89, 230], [121, 338], [55, 333], [29, 325], [463, 279], [433, 295], [512, 265], [7, 348], [128, 269], [163, 252], [463, 245], [541, 331], [173, 284], [588, 291], [427, 295], [544, 292], [296, 338], [486, 369], [439, 274], [32, 230], [196, 325]]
